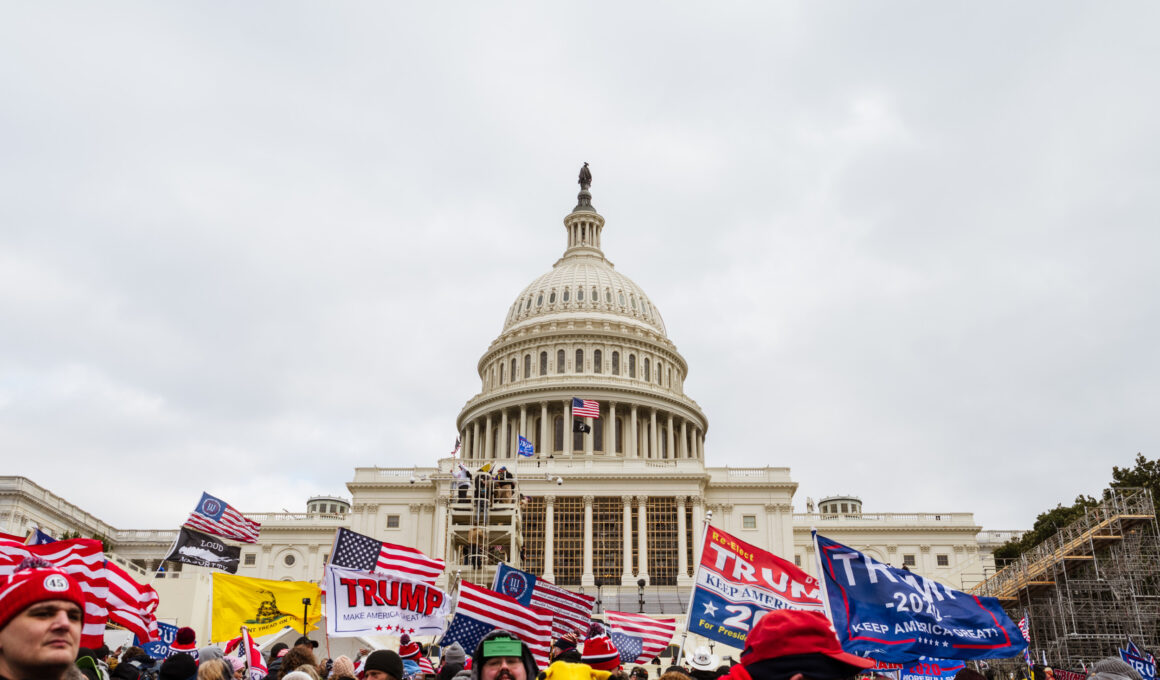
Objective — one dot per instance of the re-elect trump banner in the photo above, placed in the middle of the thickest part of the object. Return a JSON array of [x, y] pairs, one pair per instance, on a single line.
[[361, 603], [159, 649], [737, 583], [894, 615]]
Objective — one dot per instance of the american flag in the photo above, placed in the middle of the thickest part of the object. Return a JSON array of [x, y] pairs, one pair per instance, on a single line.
[[644, 635], [84, 561], [571, 612], [425, 666], [480, 611], [456, 449], [247, 650], [353, 550], [585, 408], [1025, 627], [131, 604], [215, 516]]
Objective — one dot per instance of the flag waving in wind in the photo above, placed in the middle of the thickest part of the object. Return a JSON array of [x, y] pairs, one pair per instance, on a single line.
[[894, 615], [526, 448], [217, 517], [585, 408], [638, 637], [353, 550], [480, 611]]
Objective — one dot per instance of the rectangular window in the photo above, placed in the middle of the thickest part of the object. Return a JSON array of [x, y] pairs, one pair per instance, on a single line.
[[749, 521], [943, 560], [908, 560], [250, 559], [392, 521], [797, 560]]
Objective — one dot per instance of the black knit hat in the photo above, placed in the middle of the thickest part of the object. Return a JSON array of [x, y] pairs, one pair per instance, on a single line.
[[386, 661], [178, 667]]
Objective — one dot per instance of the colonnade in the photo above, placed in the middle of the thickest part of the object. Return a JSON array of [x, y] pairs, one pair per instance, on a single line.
[[647, 432], [628, 576]]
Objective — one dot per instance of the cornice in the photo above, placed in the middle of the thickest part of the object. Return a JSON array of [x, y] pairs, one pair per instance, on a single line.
[[900, 529]]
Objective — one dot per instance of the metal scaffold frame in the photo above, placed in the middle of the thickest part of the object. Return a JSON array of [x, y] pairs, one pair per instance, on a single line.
[[1092, 586], [484, 526]]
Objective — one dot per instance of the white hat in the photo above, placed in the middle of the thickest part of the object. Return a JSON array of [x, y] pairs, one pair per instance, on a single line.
[[702, 659]]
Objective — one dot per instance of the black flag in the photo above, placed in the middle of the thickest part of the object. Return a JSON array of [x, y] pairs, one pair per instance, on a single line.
[[203, 550], [580, 426]]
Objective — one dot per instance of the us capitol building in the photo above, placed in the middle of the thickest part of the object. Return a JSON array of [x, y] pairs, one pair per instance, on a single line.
[[616, 511]]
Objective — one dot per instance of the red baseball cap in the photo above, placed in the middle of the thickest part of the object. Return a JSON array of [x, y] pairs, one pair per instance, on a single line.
[[786, 632]]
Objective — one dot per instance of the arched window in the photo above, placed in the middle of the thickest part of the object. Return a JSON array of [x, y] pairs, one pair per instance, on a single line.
[[540, 300], [663, 435], [579, 361], [529, 305], [660, 367], [597, 361], [560, 361], [597, 436], [619, 436], [616, 363], [567, 292], [608, 296], [646, 373], [632, 365], [580, 294], [543, 363], [501, 371], [621, 296], [595, 294], [513, 373], [558, 436], [527, 366], [552, 297]]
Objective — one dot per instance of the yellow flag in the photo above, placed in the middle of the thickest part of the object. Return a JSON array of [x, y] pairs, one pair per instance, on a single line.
[[261, 605]]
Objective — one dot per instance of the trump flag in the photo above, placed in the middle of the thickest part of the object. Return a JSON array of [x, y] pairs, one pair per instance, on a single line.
[[894, 615]]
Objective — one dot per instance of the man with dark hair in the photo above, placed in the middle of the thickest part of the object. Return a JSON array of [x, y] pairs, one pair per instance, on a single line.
[[502, 656], [787, 644], [42, 610]]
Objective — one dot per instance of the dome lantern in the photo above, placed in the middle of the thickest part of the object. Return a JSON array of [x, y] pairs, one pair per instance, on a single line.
[[584, 224]]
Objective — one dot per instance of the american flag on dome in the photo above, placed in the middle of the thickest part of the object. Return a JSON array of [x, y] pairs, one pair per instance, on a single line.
[[480, 611], [585, 408], [215, 516], [639, 638], [83, 560], [353, 550]]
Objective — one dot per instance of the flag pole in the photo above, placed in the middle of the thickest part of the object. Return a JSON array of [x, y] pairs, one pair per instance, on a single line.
[[696, 576]]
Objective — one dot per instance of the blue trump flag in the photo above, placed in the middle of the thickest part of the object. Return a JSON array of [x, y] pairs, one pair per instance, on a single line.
[[893, 615], [514, 583], [526, 448]]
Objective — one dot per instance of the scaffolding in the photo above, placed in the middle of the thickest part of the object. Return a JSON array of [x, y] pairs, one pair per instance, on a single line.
[[484, 525], [1091, 587]]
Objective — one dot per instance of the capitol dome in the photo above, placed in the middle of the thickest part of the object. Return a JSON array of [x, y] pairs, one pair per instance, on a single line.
[[583, 331]]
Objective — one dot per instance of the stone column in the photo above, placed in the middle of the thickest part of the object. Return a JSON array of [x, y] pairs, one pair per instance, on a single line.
[[669, 438], [545, 442], [632, 431], [489, 443], [475, 440], [653, 449], [642, 535], [440, 551], [587, 578], [504, 440], [568, 427], [549, 534], [698, 527], [610, 430], [523, 421], [682, 543], [684, 438], [626, 567]]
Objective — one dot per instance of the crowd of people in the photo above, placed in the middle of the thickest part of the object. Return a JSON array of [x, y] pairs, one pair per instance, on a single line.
[[42, 612]]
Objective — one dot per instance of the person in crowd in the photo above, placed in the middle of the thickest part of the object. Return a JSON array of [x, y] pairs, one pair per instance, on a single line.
[[214, 669], [502, 656], [185, 641], [134, 662], [1113, 668], [178, 667], [209, 653], [638, 673], [299, 655], [599, 652], [343, 668], [454, 657], [504, 485], [238, 666], [41, 614], [383, 664], [566, 648], [87, 663], [702, 663], [789, 644]]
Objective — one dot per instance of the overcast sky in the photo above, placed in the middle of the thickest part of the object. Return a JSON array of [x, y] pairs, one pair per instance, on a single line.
[[907, 249]]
